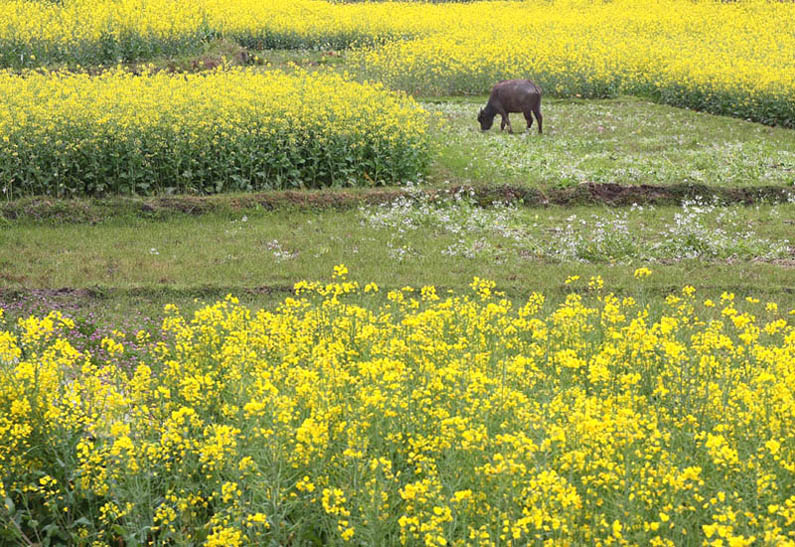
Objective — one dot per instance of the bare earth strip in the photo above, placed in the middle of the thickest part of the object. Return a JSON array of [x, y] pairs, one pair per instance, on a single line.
[[97, 210]]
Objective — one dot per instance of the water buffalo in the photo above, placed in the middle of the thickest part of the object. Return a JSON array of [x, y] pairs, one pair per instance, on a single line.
[[512, 96]]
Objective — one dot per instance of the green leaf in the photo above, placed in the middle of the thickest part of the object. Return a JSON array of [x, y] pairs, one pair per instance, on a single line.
[[82, 521]]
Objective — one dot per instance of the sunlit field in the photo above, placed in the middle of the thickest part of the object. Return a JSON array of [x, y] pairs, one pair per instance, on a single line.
[[625, 141], [704, 55], [121, 133], [724, 58], [419, 418], [580, 337]]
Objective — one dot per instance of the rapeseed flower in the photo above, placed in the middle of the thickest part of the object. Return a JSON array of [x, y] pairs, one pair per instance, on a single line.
[[724, 57], [228, 129], [410, 417]]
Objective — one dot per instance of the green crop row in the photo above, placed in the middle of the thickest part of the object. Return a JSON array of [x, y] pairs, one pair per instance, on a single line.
[[228, 130]]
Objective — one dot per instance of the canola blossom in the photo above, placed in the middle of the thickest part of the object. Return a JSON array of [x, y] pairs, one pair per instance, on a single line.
[[722, 58], [416, 417], [92, 31], [731, 58], [74, 134]]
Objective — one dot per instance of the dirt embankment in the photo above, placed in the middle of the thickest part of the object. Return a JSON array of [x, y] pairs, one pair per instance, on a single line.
[[99, 209]]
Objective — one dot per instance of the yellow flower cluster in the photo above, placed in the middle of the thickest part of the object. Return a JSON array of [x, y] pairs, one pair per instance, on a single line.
[[228, 129], [467, 420], [88, 31], [725, 57]]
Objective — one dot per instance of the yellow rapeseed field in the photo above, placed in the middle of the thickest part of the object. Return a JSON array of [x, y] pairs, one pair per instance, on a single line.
[[419, 418], [90, 30], [731, 58], [723, 58], [65, 134]]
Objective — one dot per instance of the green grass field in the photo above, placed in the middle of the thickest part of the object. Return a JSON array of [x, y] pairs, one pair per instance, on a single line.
[[646, 393], [624, 141]]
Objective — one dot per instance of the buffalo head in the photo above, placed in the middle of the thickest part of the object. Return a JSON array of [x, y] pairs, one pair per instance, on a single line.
[[485, 120]]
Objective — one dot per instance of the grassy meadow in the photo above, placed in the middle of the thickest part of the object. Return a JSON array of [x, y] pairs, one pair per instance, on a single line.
[[264, 281], [624, 141]]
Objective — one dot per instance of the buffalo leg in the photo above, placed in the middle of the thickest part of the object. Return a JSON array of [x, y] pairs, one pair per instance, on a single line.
[[539, 117], [505, 121], [529, 117]]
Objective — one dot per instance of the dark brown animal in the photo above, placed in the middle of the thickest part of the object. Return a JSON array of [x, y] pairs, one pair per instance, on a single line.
[[512, 96]]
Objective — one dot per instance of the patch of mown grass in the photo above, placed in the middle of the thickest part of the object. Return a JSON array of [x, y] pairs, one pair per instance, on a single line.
[[625, 141], [518, 248]]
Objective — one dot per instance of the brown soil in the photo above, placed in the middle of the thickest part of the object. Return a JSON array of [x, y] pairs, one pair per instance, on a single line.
[[643, 194], [585, 194], [87, 210]]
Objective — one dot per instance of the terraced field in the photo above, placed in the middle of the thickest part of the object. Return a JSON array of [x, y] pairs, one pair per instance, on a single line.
[[264, 281]]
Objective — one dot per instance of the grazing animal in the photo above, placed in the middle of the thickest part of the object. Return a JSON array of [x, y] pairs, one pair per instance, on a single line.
[[512, 96]]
